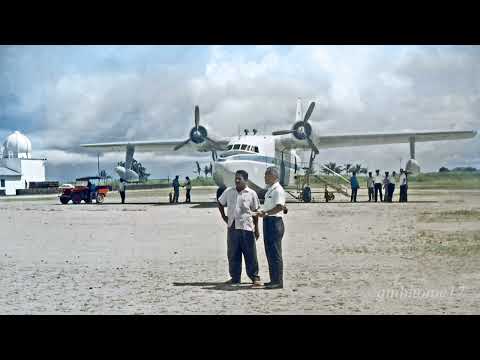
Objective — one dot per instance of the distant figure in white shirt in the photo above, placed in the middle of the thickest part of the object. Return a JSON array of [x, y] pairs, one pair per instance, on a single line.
[[403, 182], [378, 185], [188, 187], [391, 186], [370, 186], [273, 227], [386, 182]]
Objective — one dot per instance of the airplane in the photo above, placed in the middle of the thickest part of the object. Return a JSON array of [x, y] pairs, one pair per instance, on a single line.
[[254, 153]]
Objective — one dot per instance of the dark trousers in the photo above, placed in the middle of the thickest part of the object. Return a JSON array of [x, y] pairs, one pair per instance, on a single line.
[[370, 194], [273, 230], [391, 189], [403, 193], [353, 197], [176, 193], [187, 197], [242, 242], [122, 195], [378, 188]]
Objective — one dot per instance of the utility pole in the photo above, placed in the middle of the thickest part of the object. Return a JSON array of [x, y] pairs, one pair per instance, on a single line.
[[98, 164]]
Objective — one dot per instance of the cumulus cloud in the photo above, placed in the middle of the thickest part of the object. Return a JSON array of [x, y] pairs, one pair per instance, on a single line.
[[65, 96]]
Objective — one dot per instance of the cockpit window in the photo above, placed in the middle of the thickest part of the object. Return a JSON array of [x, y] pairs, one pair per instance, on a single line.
[[236, 146], [256, 149], [229, 147], [244, 147]]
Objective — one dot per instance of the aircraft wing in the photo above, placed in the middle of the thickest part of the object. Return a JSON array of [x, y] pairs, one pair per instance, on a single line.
[[157, 146], [334, 141]]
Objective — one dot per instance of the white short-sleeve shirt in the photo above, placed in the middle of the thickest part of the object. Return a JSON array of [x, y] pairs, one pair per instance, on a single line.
[[240, 206], [274, 196]]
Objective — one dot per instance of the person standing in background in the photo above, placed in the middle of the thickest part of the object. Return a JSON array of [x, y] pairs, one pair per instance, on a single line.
[[370, 186]]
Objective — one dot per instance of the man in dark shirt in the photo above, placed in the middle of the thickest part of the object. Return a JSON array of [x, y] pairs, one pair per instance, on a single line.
[[176, 189]]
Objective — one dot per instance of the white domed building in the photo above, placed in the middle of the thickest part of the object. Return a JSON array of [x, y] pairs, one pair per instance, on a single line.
[[17, 166]]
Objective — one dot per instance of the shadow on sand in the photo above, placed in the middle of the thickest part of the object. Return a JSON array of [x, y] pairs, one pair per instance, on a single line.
[[218, 286]]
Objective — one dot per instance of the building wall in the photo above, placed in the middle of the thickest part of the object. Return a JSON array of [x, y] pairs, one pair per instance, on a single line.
[[30, 169], [33, 170], [12, 183]]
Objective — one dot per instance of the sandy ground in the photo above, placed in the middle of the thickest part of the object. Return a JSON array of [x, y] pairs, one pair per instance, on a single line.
[[147, 257]]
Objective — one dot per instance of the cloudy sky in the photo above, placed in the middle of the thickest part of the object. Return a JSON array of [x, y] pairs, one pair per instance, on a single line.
[[61, 96]]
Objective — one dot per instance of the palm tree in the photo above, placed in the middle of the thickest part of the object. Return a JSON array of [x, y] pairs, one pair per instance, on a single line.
[[347, 168], [206, 170], [356, 168], [333, 167], [199, 170]]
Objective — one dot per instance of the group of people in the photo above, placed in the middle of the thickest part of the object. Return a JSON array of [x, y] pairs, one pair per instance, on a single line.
[[379, 182], [176, 189], [243, 211]]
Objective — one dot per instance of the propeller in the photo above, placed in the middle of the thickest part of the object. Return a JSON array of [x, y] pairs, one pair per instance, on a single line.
[[198, 134], [302, 130]]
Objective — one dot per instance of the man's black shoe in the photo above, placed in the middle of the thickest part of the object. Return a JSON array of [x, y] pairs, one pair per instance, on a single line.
[[272, 286]]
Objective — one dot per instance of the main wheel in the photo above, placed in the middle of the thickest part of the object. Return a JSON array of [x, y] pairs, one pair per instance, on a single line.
[[76, 198], [64, 200], [100, 198]]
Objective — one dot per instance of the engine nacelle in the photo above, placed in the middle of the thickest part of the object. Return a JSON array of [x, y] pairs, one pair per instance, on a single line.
[[126, 174], [198, 135], [413, 167]]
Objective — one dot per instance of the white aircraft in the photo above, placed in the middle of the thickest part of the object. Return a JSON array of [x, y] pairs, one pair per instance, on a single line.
[[254, 153]]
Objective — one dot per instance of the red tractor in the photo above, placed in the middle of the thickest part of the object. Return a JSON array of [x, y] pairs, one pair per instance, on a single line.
[[86, 189]]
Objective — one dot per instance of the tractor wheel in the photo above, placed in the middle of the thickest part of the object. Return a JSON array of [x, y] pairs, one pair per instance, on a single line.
[[64, 200], [76, 198], [100, 198]]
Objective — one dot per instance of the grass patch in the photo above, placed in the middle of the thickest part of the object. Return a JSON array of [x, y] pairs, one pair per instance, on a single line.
[[454, 215], [465, 243], [449, 180]]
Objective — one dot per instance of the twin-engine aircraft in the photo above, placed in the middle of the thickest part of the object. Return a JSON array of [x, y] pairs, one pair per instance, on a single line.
[[254, 153]]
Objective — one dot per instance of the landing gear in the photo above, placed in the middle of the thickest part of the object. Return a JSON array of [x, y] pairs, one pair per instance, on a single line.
[[307, 194]]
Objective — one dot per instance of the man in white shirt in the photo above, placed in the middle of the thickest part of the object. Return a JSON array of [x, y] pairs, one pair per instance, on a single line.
[[273, 227], [386, 181], [242, 221], [378, 185], [403, 182], [370, 186], [391, 186], [188, 187]]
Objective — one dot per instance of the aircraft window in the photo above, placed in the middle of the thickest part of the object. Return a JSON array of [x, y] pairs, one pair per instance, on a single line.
[[229, 147], [236, 146], [256, 149], [244, 147]]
